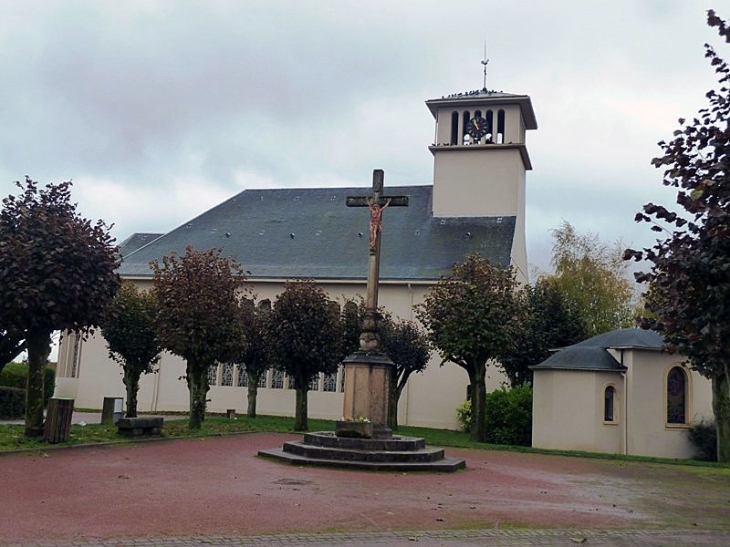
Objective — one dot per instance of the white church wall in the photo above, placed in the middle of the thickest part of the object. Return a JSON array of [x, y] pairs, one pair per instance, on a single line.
[[567, 411], [649, 434], [430, 398]]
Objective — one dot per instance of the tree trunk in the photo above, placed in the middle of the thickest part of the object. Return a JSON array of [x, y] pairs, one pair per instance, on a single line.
[[300, 420], [39, 347], [253, 392], [131, 381], [721, 408], [394, 396], [196, 385], [479, 403]]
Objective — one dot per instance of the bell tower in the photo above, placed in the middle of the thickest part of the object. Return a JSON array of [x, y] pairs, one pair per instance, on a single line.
[[480, 158]]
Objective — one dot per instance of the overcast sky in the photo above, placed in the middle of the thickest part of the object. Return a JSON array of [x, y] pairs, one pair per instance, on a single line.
[[159, 110]]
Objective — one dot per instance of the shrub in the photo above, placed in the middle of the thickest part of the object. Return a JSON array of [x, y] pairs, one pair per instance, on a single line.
[[12, 403], [703, 435], [463, 414], [509, 416], [16, 375]]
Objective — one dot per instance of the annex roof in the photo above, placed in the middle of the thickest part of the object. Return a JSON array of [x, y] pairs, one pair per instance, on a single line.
[[311, 233], [592, 354]]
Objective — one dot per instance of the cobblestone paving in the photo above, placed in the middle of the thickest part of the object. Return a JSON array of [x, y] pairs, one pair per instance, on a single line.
[[445, 538]]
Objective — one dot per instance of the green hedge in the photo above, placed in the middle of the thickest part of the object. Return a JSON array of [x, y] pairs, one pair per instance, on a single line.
[[12, 403], [509, 416], [16, 375]]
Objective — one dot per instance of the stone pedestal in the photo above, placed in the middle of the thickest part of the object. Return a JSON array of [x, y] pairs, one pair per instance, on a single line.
[[112, 411], [367, 384]]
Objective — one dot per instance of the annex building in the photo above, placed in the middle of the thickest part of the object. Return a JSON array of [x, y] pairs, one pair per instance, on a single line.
[[474, 204]]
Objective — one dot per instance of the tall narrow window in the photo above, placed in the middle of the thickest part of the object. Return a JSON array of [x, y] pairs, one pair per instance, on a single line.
[[277, 380], [213, 375], [242, 377], [454, 127], [465, 117], [490, 125], [677, 396], [227, 374], [500, 126], [608, 404]]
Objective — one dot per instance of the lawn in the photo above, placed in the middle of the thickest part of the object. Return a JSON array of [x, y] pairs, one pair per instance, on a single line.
[[176, 426]]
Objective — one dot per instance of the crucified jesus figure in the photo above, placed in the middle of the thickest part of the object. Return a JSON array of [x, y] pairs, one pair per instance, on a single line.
[[376, 226]]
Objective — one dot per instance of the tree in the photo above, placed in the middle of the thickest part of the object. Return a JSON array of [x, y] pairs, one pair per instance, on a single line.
[[306, 339], [199, 315], [471, 317], [593, 278], [131, 337], [57, 272], [256, 353], [549, 323], [689, 277], [407, 347]]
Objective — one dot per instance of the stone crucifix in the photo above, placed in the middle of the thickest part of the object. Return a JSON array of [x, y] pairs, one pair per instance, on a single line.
[[377, 203]]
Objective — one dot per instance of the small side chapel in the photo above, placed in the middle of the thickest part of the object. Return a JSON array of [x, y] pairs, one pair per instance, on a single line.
[[475, 204]]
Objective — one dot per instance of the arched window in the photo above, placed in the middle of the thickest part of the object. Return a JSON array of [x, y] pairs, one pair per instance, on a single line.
[[677, 396], [609, 398], [490, 125], [500, 126], [465, 117], [454, 127]]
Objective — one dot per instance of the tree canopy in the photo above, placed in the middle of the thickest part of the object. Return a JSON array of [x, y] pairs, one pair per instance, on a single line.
[[199, 315], [407, 346], [471, 317], [306, 339], [57, 272], [594, 279], [131, 337], [256, 350], [549, 322], [689, 275]]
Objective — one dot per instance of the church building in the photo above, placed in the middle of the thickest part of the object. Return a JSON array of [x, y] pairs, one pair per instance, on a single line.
[[475, 205]]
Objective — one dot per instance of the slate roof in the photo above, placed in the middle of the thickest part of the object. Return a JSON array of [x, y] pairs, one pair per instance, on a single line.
[[591, 354], [135, 241], [296, 233]]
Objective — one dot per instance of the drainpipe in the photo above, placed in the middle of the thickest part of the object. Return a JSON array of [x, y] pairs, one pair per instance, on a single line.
[[625, 447], [407, 390]]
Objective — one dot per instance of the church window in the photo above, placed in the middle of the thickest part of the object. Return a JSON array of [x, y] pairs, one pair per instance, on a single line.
[[227, 374], [454, 127], [262, 380], [500, 126], [465, 117], [277, 380], [213, 375], [330, 382], [677, 396], [242, 378], [314, 383], [490, 125], [609, 400]]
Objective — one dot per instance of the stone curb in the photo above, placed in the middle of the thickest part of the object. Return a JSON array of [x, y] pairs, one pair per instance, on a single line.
[[521, 537]]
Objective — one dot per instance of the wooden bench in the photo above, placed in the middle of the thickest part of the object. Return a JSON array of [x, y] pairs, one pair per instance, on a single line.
[[136, 427]]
